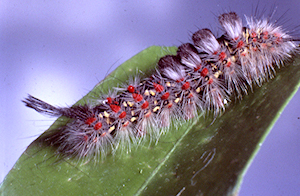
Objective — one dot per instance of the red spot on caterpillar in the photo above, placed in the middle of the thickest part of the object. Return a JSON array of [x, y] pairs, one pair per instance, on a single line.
[[122, 115], [240, 44], [180, 80], [197, 68], [148, 114], [159, 88], [98, 126], [115, 108], [204, 72], [165, 96], [210, 81], [253, 34], [145, 105], [130, 89], [266, 34], [254, 40], [278, 40], [222, 56], [126, 124], [137, 97], [185, 86], [277, 34], [170, 105], [228, 64], [109, 100], [89, 121]]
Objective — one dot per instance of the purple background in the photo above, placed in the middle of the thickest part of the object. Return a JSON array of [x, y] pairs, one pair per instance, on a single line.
[[58, 50]]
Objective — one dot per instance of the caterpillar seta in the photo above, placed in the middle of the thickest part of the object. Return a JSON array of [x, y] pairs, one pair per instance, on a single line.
[[201, 78]]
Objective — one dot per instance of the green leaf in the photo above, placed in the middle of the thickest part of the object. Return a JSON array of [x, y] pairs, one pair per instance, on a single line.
[[205, 156]]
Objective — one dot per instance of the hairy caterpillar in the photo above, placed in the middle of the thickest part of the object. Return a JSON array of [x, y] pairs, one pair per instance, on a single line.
[[202, 76], [74, 48]]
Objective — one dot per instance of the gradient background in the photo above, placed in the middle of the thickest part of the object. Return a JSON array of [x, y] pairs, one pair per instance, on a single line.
[[58, 50]]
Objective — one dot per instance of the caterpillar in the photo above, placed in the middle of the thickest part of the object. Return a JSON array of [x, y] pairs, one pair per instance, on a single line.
[[201, 78]]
